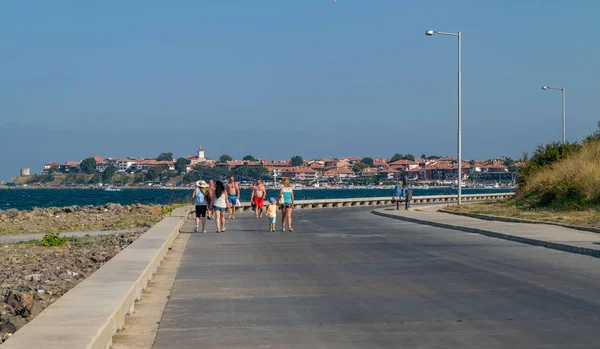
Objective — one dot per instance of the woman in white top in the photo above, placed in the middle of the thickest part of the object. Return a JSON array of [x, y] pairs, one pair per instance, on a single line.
[[220, 206], [288, 204]]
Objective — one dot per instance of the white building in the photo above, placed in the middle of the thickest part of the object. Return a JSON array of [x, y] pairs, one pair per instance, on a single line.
[[196, 159]]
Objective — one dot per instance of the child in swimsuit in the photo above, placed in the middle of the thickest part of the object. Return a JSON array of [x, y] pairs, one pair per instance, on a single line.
[[272, 214]]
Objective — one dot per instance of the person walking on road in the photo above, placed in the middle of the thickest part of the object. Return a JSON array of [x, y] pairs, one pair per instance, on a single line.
[[220, 206], [272, 214], [211, 190], [399, 193], [233, 196], [201, 197], [258, 198], [288, 204]]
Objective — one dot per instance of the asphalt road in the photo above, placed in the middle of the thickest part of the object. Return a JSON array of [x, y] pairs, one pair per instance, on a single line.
[[348, 279]]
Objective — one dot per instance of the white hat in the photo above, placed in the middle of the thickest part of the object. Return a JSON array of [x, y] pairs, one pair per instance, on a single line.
[[201, 184]]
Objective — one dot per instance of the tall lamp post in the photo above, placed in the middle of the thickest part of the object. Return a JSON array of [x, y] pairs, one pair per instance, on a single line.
[[458, 36], [562, 90]]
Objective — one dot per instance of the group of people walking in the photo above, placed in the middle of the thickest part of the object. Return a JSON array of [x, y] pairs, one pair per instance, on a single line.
[[214, 199]]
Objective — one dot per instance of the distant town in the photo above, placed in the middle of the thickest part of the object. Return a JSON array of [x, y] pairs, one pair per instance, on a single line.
[[165, 170]]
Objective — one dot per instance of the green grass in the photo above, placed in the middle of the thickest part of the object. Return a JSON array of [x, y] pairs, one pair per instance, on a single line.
[[52, 239], [166, 210], [588, 217]]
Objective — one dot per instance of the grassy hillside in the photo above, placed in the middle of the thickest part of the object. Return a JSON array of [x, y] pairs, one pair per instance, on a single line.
[[572, 182]]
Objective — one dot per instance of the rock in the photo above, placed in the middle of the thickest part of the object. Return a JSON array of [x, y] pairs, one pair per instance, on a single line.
[[32, 277], [11, 324], [40, 296], [98, 257], [5, 310], [36, 211], [64, 276], [36, 309], [11, 213], [21, 302], [70, 209]]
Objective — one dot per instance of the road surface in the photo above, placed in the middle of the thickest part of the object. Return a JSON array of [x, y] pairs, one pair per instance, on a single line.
[[348, 279]]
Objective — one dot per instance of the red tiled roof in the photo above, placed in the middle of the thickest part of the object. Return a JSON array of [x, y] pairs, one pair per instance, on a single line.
[[145, 162], [443, 166], [338, 171], [235, 163], [494, 166], [299, 170], [401, 162]]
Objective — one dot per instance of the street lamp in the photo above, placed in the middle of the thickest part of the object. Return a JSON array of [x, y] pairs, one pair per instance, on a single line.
[[458, 36], [563, 91]]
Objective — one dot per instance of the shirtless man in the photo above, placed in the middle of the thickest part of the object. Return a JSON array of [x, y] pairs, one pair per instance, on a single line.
[[258, 197], [211, 190], [233, 195]]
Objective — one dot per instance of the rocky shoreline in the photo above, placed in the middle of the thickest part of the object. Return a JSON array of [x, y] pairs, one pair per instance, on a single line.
[[72, 218], [33, 276]]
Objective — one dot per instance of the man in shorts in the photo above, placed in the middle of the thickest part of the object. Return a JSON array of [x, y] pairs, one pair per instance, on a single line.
[[233, 196], [258, 197]]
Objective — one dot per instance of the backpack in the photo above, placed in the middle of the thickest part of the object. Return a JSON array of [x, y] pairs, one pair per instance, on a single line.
[[200, 198]]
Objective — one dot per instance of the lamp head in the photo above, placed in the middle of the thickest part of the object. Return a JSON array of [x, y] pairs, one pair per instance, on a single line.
[[545, 88], [429, 33]]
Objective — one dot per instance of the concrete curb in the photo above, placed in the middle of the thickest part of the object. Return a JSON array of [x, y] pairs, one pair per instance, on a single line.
[[519, 220], [93, 311], [535, 242]]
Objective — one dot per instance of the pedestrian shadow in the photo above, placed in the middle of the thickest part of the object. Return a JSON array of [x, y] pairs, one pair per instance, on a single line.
[[197, 232]]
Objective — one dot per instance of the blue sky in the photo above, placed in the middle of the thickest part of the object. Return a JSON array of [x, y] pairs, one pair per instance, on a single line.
[[279, 78]]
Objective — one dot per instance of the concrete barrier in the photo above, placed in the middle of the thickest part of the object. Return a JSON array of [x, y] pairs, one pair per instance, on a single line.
[[90, 314], [381, 201]]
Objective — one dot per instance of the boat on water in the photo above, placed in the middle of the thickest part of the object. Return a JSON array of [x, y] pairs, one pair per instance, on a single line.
[[112, 189], [491, 186]]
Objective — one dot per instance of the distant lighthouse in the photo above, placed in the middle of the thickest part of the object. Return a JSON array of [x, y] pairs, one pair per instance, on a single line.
[[201, 157]]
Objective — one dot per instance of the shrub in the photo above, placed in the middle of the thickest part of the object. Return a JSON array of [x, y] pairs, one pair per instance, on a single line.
[[572, 182], [51, 239], [545, 156]]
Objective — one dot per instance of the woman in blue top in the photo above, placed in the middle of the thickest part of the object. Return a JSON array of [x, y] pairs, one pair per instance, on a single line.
[[201, 198], [288, 204]]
